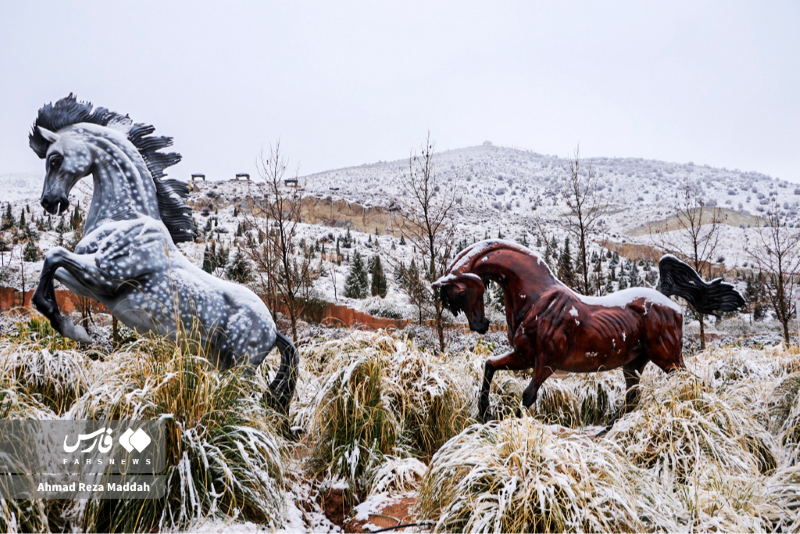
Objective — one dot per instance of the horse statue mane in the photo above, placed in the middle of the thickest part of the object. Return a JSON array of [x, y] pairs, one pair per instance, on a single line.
[[171, 193], [468, 254]]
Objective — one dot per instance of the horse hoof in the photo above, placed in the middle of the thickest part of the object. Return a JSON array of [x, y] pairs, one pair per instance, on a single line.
[[64, 326]]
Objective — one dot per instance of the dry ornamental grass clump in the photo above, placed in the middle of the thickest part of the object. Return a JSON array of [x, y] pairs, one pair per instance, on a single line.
[[225, 456], [684, 421], [380, 396], [517, 476], [57, 379]]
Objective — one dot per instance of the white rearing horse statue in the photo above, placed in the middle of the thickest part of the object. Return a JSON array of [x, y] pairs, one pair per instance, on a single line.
[[127, 258]]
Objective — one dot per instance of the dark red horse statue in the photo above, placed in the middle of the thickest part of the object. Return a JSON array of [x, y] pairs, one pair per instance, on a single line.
[[550, 327]]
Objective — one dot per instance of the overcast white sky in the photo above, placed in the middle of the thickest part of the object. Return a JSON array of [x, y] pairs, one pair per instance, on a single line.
[[343, 84]]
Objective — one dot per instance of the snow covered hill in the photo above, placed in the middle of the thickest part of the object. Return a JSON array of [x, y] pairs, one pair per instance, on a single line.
[[502, 191]]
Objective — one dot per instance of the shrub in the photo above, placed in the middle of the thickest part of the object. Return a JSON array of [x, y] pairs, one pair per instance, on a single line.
[[224, 456], [517, 476]]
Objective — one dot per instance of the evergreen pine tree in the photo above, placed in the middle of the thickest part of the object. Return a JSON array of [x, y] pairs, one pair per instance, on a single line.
[[402, 239], [634, 275], [208, 258], [400, 273], [239, 270], [378, 287], [498, 297], [22, 220], [623, 282], [356, 285], [608, 288], [31, 253], [566, 271], [8, 218], [76, 220], [222, 257]]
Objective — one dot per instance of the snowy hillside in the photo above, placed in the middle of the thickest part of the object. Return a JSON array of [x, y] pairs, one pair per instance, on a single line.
[[501, 191], [504, 188]]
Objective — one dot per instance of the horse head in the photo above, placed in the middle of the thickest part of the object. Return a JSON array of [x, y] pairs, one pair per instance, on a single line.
[[68, 159], [464, 292]]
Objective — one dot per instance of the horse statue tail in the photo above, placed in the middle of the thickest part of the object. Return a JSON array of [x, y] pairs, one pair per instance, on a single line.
[[283, 386], [679, 279]]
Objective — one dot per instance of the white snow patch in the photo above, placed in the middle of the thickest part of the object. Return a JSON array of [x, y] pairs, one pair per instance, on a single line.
[[626, 296]]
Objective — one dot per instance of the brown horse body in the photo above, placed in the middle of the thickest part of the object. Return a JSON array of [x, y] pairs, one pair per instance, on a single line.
[[550, 327]]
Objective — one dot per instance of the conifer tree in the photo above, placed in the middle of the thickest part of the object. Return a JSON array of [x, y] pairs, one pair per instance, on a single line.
[[239, 270], [8, 218], [634, 275], [356, 285], [208, 255], [378, 287], [496, 297], [566, 271], [609, 287], [76, 220], [31, 253], [623, 282], [402, 239]]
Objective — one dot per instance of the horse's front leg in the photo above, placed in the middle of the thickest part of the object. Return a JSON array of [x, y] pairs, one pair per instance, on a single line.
[[540, 374], [81, 268], [510, 361]]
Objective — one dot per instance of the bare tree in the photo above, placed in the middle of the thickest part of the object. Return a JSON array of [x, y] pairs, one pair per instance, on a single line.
[[430, 203], [775, 249], [585, 206], [692, 234], [282, 277]]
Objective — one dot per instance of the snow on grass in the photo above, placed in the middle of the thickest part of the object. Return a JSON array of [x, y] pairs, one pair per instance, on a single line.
[[710, 448]]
